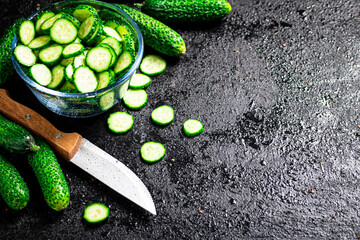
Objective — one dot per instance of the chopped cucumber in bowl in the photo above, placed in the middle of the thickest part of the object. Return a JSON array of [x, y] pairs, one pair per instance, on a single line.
[[73, 34]]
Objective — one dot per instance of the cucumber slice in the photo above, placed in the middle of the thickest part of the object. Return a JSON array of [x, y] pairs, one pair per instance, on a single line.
[[40, 42], [111, 24], [68, 87], [46, 26], [113, 54], [85, 80], [82, 12], [120, 122], [107, 100], [79, 61], [124, 61], [27, 32], [24, 55], [41, 74], [96, 36], [43, 17], [152, 65], [66, 61], [58, 76], [193, 127], [96, 213], [63, 31], [99, 58], [51, 54], [135, 99], [69, 72], [152, 151], [72, 50], [110, 32], [72, 19], [105, 79], [112, 42], [88, 28], [163, 115], [139, 81]]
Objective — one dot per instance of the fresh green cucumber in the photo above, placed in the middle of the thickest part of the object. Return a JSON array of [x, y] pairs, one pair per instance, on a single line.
[[107, 100], [41, 74], [105, 78], [152, 151], [27, 32], [110, 32], [99, 58], [96, 213], [58, 76], [156, 34], [13, 188], [69, 72], [129, 43], [51, 55], [15, 138], [186, 11], [6, 66], [40, 42], [63, 31], [163, 115], [46, 26], [112, 42], [120, 122], [152, 65], [135, 99], [88, 28], [139, 81], [85, 80], [79, 61], [41, 19], [123, 63], [24, 55], [70, 17], [72, 50], [193, 127], [82, 12], [50, 176]]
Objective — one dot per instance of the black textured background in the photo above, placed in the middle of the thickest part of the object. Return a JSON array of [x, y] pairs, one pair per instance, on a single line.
[[276, 85]]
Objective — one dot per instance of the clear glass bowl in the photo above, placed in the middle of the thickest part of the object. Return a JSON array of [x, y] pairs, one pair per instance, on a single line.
[[82, 105]]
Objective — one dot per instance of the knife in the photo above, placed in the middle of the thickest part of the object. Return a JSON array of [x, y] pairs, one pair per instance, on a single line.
[[76, 149]]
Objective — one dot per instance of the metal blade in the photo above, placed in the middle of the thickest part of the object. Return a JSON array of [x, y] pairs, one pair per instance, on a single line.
[[114, 174]]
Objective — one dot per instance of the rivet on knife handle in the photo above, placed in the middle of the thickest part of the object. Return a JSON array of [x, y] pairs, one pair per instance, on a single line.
[[65, 144]]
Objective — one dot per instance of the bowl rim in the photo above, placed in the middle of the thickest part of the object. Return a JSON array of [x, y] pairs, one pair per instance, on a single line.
[[45, 90]]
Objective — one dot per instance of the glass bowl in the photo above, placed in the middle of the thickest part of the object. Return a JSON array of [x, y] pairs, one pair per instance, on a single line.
[[82, 105]]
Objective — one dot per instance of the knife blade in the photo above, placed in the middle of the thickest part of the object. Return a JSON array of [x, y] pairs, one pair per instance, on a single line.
[[81, 152]]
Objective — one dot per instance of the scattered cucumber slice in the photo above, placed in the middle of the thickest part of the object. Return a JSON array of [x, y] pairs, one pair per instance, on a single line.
[[99, 58], [135, 99], [43, 17], [124, 61], [163, 115], [139, 81], [110, 32], [51, 54], [85, 80], [112, 42], [105, 79], [152, 151], [193, 127], [152, 65], [120, 122], [24, 55], [82, 12], [63, 31], [27, 32], [41, 74], [40, 42], [72, 50], [46, 26], [96, 212]]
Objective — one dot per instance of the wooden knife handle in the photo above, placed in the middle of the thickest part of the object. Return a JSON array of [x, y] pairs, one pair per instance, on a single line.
[[64, 144]]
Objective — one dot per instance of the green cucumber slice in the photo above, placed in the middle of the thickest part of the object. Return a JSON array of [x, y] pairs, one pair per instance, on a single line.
[[24, 55], [152, 151], [111, 24], [51, 54], [193, 127], [46, 26], [41, 74], [43, 17], [124, 61], [27, 32], [40, 42], [88, 28], [135, 99], [113, 54], [82, 12], [110, 32], [72, 19], [99, 58], [107, 101], [105, 79], [79, 61], [112, 42], [63, 31], [96, 213], [152, 65], [120, 122], [85, 80], [163, 115], [72, 50], [58, 76], [139, 81], [69, 72]]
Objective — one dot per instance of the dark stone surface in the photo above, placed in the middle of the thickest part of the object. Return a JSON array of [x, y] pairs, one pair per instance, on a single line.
[[276, 85]]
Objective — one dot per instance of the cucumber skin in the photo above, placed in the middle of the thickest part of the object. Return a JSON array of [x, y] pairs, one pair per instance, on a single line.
[[15, 138], [156, 34], [50, 176], [186, 11], [13, 188], [6, 67]]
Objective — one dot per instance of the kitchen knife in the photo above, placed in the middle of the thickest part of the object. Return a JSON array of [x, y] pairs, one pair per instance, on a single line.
[[76, 149]]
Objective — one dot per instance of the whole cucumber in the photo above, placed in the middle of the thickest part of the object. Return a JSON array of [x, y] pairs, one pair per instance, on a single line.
[[156, 34], [50, 176], [13, 188], [15, 138], [186, 11]]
